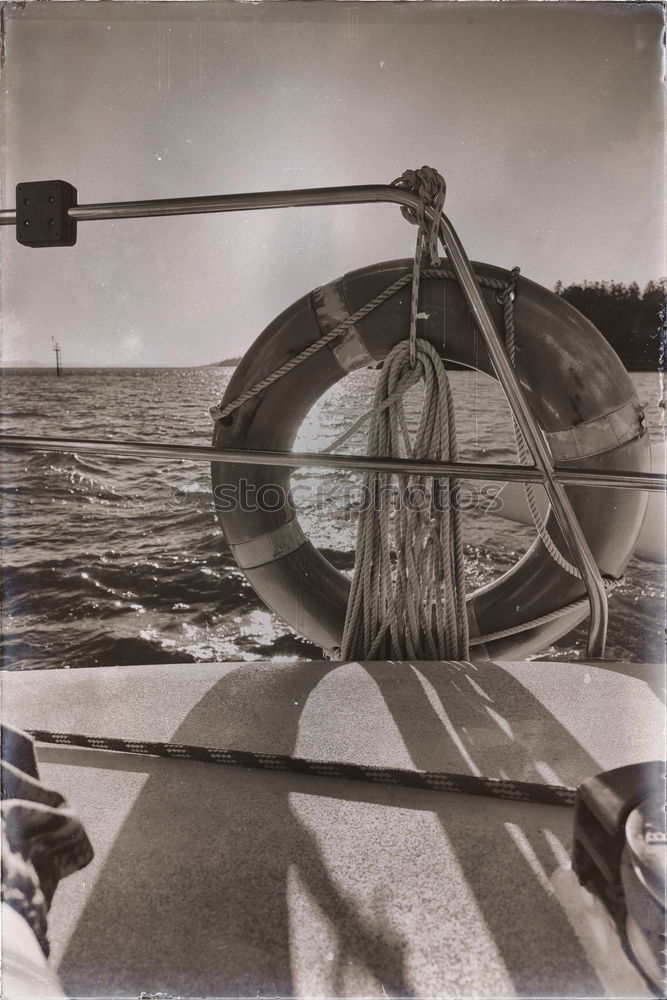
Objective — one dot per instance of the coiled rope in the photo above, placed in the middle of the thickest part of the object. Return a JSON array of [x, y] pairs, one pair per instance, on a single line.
[[408, 590]]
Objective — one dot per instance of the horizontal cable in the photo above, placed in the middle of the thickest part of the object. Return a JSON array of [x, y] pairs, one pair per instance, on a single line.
[[496, 472]]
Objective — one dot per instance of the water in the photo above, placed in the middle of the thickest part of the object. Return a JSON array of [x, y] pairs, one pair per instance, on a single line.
[[122, 561]]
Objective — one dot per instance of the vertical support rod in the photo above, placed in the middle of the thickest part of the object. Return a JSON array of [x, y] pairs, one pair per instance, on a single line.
[[558, 498], [56, 348]]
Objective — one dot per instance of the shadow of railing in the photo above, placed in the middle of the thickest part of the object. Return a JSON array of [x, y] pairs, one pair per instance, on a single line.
[[194, 898]]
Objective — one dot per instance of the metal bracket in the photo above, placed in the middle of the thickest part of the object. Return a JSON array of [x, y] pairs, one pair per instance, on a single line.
[[42, 214]]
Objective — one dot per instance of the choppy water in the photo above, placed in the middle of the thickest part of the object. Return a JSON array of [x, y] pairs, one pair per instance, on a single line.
[[122, 561]]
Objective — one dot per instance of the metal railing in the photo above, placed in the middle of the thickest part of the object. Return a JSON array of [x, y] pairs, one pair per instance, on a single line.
[[360, 194], [544, 471], [495, 472]]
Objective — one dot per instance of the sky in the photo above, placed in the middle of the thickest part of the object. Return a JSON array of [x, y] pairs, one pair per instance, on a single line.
[[546, 120]]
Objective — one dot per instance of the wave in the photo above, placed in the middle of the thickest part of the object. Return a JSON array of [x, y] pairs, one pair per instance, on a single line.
[[123, 561]]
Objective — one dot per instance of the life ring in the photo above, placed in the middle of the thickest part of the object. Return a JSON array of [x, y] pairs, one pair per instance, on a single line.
[[579, 391]]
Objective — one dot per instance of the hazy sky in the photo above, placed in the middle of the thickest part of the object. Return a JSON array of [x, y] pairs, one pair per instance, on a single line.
[[545, 119]]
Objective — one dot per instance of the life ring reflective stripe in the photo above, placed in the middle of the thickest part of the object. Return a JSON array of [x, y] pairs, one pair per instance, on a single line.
[[581, 395]]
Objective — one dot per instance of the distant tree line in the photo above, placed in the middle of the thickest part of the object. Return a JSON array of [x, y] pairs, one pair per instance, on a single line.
[[632, 320]]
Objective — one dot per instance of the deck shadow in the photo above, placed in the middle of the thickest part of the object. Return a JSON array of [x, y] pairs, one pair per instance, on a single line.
[[197, 884]]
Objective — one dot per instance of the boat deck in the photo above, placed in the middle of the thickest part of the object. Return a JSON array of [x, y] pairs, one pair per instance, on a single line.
[[222, 881]]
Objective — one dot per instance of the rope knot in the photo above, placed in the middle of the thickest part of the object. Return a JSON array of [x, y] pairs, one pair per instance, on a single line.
[[430, 187]]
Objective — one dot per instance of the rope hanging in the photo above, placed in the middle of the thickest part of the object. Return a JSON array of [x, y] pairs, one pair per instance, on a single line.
[[408, 590], [506, 298], [412, 606], [221, 412]]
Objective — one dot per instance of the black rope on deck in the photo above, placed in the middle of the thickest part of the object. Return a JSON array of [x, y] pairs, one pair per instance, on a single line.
[[441, 781]]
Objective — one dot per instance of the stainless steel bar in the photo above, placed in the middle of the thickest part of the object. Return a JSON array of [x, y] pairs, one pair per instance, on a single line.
[[495, 472], [558, 498], [653, 482], [354, 463], [353, 195]]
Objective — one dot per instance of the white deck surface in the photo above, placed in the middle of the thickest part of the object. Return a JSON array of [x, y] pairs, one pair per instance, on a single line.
[[213, 881]]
